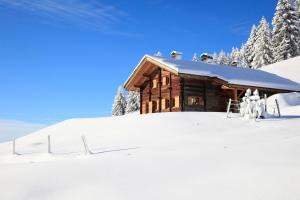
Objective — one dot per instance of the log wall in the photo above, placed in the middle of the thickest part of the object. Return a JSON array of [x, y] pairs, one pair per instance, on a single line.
[[161, 93]]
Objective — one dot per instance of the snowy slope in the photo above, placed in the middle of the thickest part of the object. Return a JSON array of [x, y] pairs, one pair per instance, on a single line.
[[289, 69], [157, 156]]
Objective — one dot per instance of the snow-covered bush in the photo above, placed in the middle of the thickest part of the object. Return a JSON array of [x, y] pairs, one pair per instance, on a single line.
[[133, 102], [119, 105], [252, 106]]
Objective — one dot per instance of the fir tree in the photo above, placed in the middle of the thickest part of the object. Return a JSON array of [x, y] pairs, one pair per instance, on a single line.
[[263, 46], [222, 59], [195, 58], [249, 47], [119, 104], [235, 57], [297, 4], [133, 102], [158, 54], [286, 31], [228, 59], [243, 59], [215, 58]]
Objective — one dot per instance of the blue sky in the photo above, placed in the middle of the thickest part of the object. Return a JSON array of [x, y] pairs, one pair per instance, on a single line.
[[65, 59]]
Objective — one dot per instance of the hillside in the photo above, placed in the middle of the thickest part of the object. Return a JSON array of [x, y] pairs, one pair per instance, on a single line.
[[289, 69], [157, 156]]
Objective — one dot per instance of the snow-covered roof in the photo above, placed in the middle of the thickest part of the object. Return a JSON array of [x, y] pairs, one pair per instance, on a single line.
[[232, 75]]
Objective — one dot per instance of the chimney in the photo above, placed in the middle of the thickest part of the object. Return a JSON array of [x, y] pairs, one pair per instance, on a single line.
[[206, 57], [176, 55]]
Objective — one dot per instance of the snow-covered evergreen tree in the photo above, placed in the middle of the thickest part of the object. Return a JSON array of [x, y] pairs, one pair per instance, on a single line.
[[195, 58], [249, 47], [286, 31], [297, 4], [133, 102], [119, 105], [215, 58], [158, 54], [235, 57], [263, 54], [243, 59], [222, 59], [228, 59]]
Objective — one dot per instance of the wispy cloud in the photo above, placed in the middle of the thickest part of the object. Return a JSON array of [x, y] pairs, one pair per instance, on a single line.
[[242, 28], [82, 12]]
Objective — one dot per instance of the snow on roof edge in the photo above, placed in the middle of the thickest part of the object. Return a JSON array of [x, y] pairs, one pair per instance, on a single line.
[[287, 85]]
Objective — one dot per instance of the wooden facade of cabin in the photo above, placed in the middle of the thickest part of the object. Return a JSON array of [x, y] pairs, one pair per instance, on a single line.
[[163, 90], [166, 92]]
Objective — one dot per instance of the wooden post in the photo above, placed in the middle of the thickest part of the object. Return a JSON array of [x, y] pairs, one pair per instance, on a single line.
[[228, 107], [150, 89], [14, 147], [182, 94], [235, 96], [265, 98], [159, 90], [87, 151], [170, 87], [278, 109], [49, 145], [141, 100], [235, 99]]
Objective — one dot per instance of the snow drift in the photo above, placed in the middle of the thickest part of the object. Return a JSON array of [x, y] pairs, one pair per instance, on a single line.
[[157, 156], [289, 69]]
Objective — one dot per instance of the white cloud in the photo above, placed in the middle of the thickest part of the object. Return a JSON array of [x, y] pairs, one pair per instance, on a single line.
[[83, 12], [12, 128]]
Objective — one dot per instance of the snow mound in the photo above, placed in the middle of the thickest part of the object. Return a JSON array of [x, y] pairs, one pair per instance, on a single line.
[[289, 69], [157, 156], [286, 100]]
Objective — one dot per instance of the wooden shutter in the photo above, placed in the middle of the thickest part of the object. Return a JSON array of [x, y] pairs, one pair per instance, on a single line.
[[163, 104], [176, 102]]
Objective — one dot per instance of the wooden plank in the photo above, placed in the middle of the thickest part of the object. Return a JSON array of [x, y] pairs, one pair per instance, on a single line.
[[170, 97], [235, 96], [159, 90]]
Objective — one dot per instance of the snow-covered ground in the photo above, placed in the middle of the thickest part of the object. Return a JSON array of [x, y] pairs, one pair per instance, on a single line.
[[288, 68], [158, 156]]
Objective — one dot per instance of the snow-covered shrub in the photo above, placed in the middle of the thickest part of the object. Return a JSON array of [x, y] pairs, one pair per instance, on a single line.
[[133, 102], [252, 106], [119, 105]]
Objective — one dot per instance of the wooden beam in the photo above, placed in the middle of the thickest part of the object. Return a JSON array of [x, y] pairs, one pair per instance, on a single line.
[[235, 96], [241, 93], [141, 101], [224, 87], [182, 93], [159, 90], [149, 84], [170, 87]]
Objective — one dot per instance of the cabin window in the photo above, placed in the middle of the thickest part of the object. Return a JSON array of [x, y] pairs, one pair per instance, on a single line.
[[195, 101], [166, 80], [167, 104], [172, 103], [175, 102], [146, 108], [154, 83], [154, 106]]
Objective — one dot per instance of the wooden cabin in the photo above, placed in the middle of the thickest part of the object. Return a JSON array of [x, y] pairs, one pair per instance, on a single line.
[[174, 85]]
